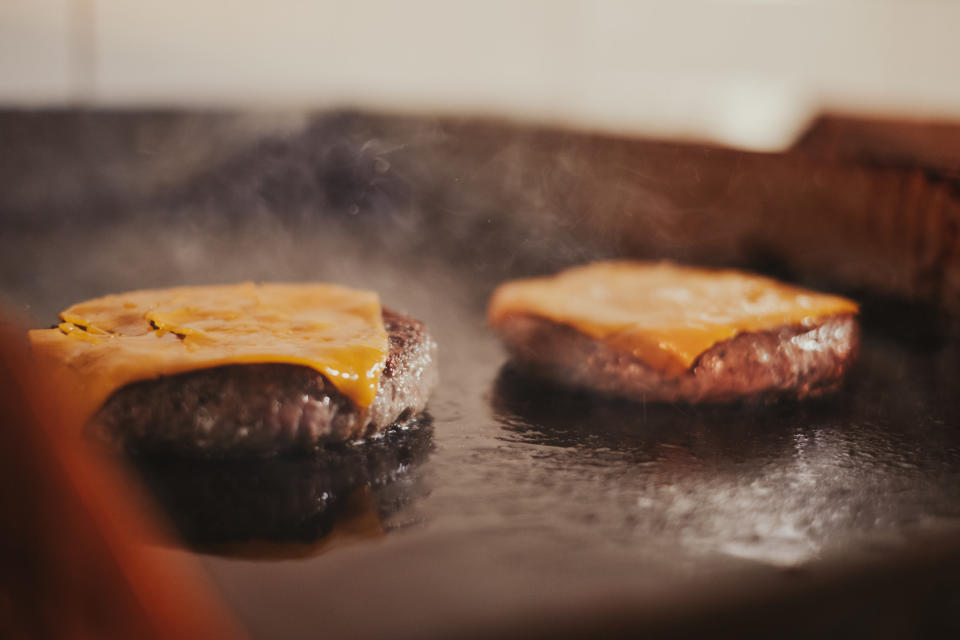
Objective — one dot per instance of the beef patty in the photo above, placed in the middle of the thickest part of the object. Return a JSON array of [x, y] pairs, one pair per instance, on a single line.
[[789, 361], [262, 409]]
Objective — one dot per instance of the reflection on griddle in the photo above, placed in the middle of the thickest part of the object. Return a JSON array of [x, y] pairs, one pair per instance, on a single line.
[[357, 517], [539, 412], [777, 484], [216, 504]]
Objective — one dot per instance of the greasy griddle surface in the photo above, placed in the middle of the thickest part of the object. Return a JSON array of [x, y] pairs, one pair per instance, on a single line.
[[544, 506], [537, 509], [533, 510]]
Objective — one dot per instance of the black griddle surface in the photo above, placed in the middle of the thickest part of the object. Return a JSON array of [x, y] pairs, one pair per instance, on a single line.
[[535, 511]]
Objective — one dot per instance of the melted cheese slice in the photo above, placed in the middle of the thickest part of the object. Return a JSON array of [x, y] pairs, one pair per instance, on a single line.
[[103, 344], [665, 315]]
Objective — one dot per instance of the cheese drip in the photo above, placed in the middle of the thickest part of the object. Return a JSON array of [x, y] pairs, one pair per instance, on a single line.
[[104, 344], [663, 314]]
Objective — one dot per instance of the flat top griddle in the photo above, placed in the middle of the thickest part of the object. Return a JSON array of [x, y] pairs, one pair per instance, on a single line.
[[539, 508], [521, 509]]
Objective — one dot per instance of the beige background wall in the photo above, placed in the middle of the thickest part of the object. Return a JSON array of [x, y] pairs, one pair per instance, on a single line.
[[748, 73]]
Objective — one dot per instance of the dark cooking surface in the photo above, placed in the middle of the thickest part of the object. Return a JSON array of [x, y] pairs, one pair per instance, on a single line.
[[534, 510], [534, 504], [287, 498]]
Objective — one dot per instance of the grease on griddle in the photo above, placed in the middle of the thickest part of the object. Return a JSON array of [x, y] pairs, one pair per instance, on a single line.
[[357, 518], [540, 412], [288, 504]]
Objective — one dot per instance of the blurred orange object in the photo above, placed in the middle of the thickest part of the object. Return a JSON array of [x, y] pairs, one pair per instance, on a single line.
[[74, 559]]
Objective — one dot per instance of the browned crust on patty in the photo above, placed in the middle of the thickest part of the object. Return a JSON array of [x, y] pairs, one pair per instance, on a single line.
[[789, 361], [261, 409]]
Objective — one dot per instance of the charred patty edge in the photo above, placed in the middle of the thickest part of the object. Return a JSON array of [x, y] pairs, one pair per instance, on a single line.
[[790, 361]]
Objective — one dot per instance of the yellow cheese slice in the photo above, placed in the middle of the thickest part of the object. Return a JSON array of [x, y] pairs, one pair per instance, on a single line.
[[103, 344], [664, 314]]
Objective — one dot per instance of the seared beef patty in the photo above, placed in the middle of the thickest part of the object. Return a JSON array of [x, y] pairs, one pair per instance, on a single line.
[[262, 409], [790, 361]]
